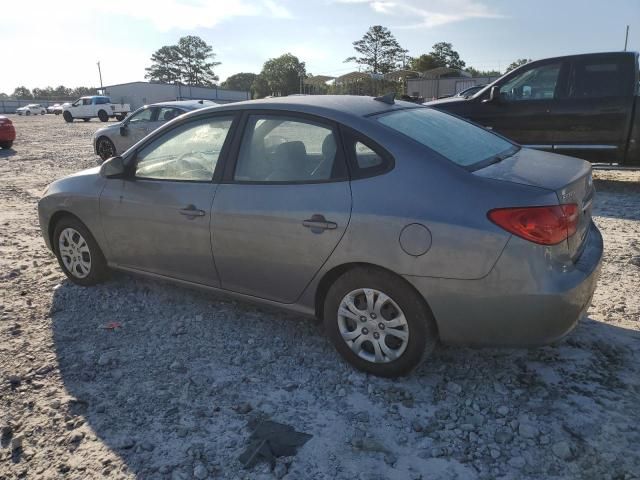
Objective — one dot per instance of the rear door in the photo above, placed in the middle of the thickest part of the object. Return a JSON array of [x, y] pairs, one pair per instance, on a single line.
[[595, 111], [159, 220], [283, 207]]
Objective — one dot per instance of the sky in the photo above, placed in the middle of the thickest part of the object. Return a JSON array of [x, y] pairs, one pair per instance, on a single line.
[[49, 42]]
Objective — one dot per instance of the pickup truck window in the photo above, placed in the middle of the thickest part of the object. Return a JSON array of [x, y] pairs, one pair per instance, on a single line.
[[597, 79], [535, 83]]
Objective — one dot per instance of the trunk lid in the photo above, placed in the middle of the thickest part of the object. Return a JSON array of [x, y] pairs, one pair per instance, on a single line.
[[570, 178]]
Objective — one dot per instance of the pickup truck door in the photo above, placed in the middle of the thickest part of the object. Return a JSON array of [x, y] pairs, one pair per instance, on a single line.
[[596, 109], [524, 110]]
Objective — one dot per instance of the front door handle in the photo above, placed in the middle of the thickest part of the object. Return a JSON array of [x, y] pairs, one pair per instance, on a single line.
[[192, 211], [317, 223]]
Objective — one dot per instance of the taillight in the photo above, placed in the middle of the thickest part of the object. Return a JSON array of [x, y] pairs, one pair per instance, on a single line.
[[543, 225]]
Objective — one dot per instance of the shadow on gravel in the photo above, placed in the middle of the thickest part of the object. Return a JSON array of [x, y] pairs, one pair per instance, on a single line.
[[171, 391], [5, 153], [612, 199]]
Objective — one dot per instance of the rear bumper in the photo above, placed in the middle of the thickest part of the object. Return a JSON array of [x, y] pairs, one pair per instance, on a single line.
[[7, 134], [523, 301]]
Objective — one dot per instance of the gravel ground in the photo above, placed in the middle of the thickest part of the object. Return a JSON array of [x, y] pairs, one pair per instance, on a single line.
[[170, 394]]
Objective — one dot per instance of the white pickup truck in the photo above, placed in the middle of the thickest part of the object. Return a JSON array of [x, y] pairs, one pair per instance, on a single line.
[[95, 106]]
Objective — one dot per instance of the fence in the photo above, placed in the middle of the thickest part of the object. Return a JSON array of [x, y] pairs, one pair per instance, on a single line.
[[9, 105]]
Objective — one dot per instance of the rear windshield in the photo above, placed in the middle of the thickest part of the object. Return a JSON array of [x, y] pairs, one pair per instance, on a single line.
[[461, 142]]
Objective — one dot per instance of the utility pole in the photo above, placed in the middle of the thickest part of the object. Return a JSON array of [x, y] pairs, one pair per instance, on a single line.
[[626, 39], [100, 73]]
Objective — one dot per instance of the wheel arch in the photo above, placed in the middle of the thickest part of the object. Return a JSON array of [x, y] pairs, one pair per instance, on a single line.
[[53, 221], [334, 273]]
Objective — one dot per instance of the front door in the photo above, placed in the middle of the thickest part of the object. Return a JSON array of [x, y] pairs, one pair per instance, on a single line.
[[140, 124], [283, 209], [524, 110], [158, 221]]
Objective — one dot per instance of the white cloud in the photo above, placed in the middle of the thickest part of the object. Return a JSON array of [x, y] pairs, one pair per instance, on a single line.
[[163, 15], [437, 13]]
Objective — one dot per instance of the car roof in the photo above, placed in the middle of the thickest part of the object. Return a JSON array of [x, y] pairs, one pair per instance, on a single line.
[[188, 104], [331, 106]]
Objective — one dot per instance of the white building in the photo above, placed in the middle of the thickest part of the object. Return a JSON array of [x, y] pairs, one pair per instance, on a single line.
[[138, 94]]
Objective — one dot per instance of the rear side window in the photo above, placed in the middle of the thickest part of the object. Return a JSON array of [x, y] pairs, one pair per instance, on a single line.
[[461, 142], [598, 79]]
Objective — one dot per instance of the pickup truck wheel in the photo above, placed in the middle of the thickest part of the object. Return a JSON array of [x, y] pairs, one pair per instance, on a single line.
[[105, 148], [67, 117], [102, 115], [120, 117]]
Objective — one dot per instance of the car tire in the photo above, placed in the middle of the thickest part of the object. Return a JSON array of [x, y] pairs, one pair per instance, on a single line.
[[67, 117], [120, 117], [402, 324], [6, 145], [78, 253], [105, 148], [28, 112], [102, 115], [42, 112]]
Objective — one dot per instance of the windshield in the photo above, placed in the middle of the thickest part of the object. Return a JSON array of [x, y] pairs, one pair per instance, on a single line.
[[461, 142]]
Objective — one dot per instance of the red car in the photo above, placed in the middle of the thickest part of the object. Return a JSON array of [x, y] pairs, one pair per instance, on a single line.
[[7, 132]]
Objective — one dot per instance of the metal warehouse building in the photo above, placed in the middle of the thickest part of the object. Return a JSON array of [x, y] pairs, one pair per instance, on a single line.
[[138, 94]]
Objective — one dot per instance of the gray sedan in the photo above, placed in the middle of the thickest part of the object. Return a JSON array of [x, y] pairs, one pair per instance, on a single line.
[[396, 224], [118, 137]]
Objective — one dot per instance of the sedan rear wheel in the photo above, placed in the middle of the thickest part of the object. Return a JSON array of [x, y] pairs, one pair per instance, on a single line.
[[105, 148], [78, 253], [378, 323]]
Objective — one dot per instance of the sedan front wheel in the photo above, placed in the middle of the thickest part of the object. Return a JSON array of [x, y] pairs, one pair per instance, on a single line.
[[378, 323], [78, 254]]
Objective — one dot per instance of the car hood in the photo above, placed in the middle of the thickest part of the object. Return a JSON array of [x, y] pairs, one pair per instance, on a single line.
[[108, 129]]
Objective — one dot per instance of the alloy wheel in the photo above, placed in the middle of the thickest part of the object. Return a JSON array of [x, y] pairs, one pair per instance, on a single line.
[[74, 252]]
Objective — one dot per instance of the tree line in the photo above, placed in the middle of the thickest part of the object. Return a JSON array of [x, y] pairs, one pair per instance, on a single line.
[[49, 93], [191, 61]]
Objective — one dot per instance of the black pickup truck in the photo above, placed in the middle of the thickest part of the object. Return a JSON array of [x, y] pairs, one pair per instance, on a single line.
[[587, 106]]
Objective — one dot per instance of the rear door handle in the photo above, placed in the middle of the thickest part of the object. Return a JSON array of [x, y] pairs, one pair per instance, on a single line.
[[191, 211], [317, 223]]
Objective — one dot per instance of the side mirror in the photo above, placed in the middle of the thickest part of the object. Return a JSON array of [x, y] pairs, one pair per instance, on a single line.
[[494, 95], [114, 167], [123, 130]]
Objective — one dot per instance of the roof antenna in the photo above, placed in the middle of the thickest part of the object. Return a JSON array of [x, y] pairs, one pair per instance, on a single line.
[[388, 98]]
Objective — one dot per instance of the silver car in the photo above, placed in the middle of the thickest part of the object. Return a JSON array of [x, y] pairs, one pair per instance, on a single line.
[[396, 224], [118, 137]]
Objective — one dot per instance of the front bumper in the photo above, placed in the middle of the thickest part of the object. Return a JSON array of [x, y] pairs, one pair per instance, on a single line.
[[522, 301]]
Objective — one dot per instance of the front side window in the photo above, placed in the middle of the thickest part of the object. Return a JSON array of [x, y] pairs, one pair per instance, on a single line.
[[536, 83], [142, 116], [461, 142], [168, 113], [189, 152], [282, 149], [86, 101]]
